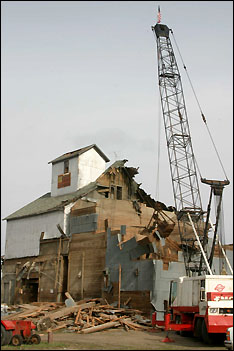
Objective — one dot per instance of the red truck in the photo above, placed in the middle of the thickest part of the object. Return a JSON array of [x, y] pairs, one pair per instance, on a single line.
[[202, 305]]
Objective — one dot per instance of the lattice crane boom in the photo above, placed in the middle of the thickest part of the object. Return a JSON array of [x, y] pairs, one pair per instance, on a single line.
[[180, 151]]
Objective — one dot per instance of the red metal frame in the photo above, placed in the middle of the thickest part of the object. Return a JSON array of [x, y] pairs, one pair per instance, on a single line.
[[218, 323], [215, 324], [187, 324]]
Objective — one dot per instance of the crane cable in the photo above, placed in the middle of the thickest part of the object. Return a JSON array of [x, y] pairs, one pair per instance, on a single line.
[[202, 114]]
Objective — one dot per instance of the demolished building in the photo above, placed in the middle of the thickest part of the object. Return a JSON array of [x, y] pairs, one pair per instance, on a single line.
[[92, 235]]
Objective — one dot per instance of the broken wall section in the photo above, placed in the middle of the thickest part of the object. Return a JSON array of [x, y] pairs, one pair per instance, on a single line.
[[136, 276], [86, 262]]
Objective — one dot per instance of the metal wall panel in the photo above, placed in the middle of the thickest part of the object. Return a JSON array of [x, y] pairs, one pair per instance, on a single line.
[[23, 235], [90, 166], [83, 224], [135, 275]]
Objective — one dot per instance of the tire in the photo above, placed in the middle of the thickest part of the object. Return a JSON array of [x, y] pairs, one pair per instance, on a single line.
[[198, 328], [8, 337], [206, 337], [16, 340], [35, 339], [3, 335]]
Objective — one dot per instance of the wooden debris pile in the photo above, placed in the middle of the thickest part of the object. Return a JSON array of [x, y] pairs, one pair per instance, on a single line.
[[86, 316]]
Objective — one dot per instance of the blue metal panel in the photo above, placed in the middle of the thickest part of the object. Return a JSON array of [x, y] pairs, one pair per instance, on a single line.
[[135, 275], [83, 224]]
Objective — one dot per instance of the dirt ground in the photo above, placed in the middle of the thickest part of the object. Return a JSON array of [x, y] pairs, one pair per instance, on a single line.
[[118, 339]]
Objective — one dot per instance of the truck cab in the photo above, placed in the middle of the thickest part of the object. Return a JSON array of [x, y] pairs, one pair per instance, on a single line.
[[208, 298]]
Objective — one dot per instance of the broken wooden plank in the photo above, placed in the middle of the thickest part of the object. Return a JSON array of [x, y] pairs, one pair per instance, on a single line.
[[100, 327], [126, 327], [173, 244], [99, 320], [33, 314], [68, 295], [119, 286], [82, 274], [132, 324], [59, 327], [21, 315], [127, 301], [124, 324], [65, 311], [26, 306], [58, 262], [77, 316]]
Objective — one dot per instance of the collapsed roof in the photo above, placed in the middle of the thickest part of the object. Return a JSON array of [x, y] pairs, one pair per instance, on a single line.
[[48, 203]]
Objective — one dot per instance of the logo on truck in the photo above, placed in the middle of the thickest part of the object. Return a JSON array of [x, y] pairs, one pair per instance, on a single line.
[[219, 287]]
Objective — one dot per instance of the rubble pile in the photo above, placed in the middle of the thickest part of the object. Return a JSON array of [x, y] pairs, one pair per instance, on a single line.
[[85, 316]]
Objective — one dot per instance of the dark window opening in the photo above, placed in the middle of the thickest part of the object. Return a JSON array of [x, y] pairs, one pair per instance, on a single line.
[[65, 275], [119, 193], [30, 290], [66, 166], [112, 194]]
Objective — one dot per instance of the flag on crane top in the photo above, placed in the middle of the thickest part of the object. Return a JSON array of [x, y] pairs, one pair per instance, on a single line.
[[159, 15]]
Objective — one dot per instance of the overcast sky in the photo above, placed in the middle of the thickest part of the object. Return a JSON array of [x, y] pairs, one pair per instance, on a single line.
[[76, 73]]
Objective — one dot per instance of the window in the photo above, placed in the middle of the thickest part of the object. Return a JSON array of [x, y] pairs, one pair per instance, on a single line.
[[112, 193], [119, 193], [66, 166], [64, 180]]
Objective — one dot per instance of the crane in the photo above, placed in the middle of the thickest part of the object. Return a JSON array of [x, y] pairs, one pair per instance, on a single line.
[[183, 171], [201, 302]]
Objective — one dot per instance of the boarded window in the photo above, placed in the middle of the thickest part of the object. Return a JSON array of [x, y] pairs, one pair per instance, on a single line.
[[64, 180]]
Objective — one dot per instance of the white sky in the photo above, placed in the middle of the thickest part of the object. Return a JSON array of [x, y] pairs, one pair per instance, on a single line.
[[76, 73]]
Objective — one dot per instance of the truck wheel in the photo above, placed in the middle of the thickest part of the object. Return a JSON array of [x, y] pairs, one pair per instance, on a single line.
[[16, 340], [3, 335], [35, 339], [198, 328], [205, 335]]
